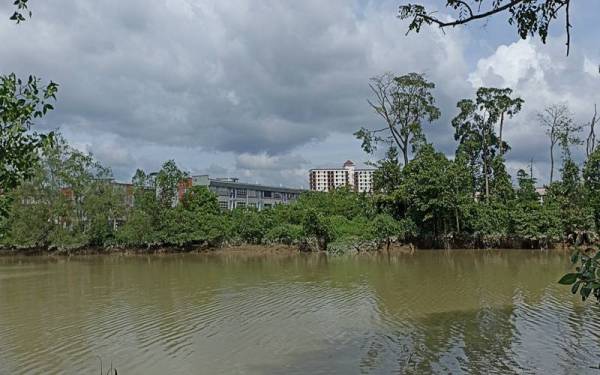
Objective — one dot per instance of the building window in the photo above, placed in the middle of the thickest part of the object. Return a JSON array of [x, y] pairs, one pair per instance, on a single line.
[[241, 193], [277, 195], [223, 205], [240, 204], [267, 194], [252, 205]]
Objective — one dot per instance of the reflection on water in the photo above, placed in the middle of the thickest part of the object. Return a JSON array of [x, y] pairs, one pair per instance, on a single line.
[[434, 312]]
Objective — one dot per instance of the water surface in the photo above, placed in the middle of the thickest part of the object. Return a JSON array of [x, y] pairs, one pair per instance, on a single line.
[[435, 312]]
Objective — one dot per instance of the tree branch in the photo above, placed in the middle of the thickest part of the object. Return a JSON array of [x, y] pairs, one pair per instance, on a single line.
[[473, 17]]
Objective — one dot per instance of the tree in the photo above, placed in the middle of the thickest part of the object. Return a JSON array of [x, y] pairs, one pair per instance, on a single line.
[[590, 145], [531, 17], [591, 180], [499, 102], [526, 192], [558, 124], [434, 189], [69, 201], [475, 130], [385, 229], [404, 103], [318, 226], [501, 187], [576, 214], [388, 175], [166, 182], [21, 102], [201, 200]]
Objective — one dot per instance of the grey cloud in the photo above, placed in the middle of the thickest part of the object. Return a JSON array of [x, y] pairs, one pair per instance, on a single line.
[[263, 90], [242, 77]]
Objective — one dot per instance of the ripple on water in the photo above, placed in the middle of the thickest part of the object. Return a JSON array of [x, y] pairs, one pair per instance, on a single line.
[[467, 313]]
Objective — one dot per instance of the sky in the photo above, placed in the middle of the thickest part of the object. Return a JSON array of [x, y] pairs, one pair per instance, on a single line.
[[265, 90]]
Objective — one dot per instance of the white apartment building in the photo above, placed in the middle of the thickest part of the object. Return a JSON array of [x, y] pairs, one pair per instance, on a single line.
[[326, 179]]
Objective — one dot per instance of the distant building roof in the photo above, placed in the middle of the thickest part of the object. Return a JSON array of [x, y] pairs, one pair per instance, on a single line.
[[234, 183], [340, 169], [348, 163]]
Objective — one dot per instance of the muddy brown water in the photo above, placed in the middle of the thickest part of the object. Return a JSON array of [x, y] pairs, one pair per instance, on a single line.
[[433, 312]]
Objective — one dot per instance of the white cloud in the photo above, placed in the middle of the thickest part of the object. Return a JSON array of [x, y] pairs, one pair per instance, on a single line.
[[542, 75]]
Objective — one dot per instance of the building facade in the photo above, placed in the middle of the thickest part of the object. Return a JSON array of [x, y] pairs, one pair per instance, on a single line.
[[234, 194], [326, 179]]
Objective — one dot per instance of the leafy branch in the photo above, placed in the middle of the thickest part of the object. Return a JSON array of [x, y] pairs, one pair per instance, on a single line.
[[21, 11], [531, 17], [586, 279]]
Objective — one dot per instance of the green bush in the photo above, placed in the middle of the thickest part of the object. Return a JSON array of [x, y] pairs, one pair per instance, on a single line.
[[285, 233]]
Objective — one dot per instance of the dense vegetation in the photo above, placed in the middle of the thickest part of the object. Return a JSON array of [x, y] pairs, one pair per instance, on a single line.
[[69, 200]]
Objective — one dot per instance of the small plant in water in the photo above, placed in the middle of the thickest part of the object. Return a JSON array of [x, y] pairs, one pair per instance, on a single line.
[[586, 279]]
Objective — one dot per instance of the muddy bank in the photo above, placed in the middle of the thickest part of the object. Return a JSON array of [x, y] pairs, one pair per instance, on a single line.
[[254, 249], [238, 250]]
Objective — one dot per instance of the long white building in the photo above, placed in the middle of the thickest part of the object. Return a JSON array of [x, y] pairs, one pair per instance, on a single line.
[[326, 179]]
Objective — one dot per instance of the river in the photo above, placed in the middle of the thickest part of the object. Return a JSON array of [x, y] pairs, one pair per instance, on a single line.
[[433, 312]]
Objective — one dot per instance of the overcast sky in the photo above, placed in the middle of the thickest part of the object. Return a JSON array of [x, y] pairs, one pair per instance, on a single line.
[[266, 89]]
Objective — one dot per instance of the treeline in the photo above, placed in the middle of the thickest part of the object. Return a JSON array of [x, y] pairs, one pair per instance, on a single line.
[[71, 203], [420, 197]]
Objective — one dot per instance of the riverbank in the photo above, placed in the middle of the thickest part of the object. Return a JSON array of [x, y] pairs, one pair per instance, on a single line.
[[241, 249]]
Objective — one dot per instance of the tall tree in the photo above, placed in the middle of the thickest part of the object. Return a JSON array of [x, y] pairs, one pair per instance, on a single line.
[[590, 144], [557, 122], [475, 130], [531, 17], [404, 103], [500, 103]]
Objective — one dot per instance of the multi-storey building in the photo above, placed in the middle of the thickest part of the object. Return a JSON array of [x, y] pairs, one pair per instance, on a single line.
[[326, 179], [234, 194]]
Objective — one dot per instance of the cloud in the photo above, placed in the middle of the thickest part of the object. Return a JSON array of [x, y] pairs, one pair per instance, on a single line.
[[542, 75], [262, 89], [266, 162], [241, 77]]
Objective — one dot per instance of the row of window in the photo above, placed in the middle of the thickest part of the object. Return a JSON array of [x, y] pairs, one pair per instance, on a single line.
[[244, 193], [224, 205]]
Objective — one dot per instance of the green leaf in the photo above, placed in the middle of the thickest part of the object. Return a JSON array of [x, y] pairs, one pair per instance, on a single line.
[[575, 287], [585, 292], [568, 279]]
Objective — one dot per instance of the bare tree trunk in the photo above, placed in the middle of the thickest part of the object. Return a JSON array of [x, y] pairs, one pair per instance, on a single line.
[[485, 167], [551, 161], [457, 220], [591, 140], [487, 182], [500, 137]]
